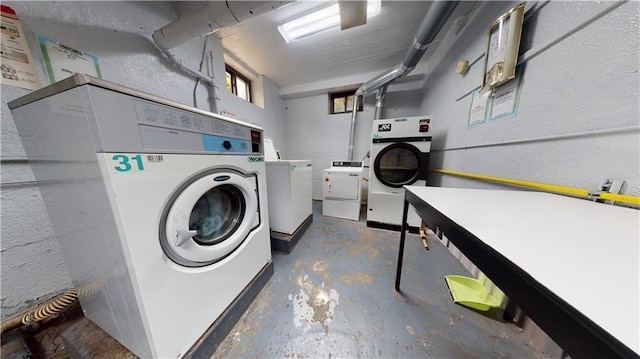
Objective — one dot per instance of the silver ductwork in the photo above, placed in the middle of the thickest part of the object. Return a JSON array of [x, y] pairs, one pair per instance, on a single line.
[[352, 132], [436, 17], [379, 102], [381, 80], [209, 18], [433, 21], [202, 22]]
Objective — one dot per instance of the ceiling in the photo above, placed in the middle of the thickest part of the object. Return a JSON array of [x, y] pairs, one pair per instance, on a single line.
[[371, 48]]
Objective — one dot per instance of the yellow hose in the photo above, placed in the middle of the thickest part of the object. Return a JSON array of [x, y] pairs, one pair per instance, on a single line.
[[547, 187]]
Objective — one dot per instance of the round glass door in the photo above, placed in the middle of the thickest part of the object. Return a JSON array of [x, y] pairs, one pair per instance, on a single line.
[[217, 214], [398, 165], [209, 217]]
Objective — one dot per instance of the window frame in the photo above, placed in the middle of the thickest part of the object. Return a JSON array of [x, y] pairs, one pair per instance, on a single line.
[[345, 95], [235, 74]]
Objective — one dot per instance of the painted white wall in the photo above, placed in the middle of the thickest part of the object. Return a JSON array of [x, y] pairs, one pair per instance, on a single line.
[[313, 134], [586, 82], [268, 109], [118, 33]]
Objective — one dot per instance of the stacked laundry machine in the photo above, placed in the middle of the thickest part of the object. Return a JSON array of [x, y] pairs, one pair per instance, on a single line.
[[400, 152], [160, 210]]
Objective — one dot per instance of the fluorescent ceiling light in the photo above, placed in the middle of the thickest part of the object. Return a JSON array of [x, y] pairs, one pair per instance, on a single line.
[[319, 21]]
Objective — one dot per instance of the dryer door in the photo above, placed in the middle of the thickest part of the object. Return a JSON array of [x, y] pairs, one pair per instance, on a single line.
[[400, 164], [209, 217]]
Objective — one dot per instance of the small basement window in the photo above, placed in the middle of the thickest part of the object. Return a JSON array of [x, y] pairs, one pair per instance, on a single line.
[[342, 102], [238, 84]]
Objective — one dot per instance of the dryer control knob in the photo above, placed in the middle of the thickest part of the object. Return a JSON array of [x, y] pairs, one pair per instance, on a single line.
[[183, 235], [226, 144]]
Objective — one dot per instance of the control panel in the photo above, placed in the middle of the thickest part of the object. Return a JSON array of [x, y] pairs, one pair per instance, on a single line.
[[346, 164], [172, 128], [403, 128]]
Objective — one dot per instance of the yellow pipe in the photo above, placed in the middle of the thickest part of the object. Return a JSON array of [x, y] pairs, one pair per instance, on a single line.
[[547, 187]]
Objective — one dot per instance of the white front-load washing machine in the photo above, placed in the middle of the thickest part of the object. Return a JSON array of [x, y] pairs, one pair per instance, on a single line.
[[160, 209], [400, 152]]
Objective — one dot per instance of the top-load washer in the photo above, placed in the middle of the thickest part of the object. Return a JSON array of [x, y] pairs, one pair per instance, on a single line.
[[290, 205], [159, 208], [400, 152]]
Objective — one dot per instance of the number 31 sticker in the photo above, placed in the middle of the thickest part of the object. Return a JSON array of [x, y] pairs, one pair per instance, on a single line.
[[126, 163]]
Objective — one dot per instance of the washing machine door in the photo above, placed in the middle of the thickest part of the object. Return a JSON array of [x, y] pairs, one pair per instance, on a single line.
[[209, 217], [400, 164]]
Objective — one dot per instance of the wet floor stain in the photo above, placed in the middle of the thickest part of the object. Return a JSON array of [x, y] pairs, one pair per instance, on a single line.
[[333, 296], [358, 277], [313, 304], [420, 339]]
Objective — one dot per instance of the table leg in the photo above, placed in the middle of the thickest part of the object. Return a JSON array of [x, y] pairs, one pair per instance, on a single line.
[[403, 233]]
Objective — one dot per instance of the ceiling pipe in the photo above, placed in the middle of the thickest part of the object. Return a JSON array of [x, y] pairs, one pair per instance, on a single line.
[[210, 18], [433, 21], [436, 17], [201, 23], [379, 102], [352, 132], [209, 81]]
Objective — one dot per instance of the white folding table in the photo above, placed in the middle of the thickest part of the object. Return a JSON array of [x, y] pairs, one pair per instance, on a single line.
[[571, 265]]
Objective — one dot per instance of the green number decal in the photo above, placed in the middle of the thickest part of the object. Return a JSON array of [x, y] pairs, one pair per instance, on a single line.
[[138, 159], [124, 164]]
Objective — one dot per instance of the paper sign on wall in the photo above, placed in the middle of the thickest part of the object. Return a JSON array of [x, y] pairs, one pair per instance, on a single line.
[[16, 62], [502, 104], [63, 61], [505, 99], [478, 109]]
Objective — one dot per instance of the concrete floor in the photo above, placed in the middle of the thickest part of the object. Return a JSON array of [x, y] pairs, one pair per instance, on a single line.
[[333, 296]]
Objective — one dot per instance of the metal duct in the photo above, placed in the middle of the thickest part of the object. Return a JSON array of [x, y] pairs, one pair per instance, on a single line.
[[433, 21], [209, 18], [379, 102], [352, 132], [379, 81], [431, 25]]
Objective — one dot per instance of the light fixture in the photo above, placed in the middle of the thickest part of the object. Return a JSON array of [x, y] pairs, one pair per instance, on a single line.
[[319, 21]]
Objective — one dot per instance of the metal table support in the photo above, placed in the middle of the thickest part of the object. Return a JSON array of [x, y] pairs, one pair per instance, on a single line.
[[575, 332]]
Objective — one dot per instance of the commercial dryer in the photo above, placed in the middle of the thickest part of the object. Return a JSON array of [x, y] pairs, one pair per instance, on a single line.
[[400, 152]]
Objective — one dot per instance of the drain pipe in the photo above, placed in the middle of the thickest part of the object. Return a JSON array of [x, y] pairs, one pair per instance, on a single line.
[[376, 116], [352, 132], [437, 15], [201, 23], [208, 80]]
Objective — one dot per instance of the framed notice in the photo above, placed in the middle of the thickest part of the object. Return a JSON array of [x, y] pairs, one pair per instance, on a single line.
[[16, 63], [63, 61], [506, 97], [479, 108]]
